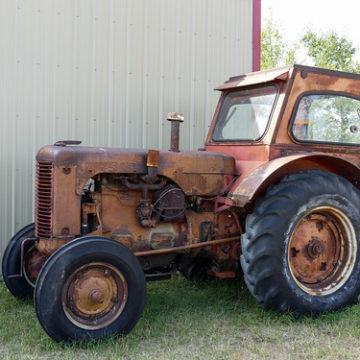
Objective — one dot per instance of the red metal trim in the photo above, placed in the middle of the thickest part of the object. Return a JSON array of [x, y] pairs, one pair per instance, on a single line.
[[256, 35], [222, 203]]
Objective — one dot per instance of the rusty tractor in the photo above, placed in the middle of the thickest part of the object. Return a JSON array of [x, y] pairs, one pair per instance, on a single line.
[[273, 195]]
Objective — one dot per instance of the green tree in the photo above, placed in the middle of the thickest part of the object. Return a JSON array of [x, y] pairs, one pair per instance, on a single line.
[[274, 51], [272, 44], [324, 49], [329, 50]]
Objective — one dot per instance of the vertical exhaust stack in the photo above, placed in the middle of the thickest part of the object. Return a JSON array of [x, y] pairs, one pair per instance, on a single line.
[[176, 119]]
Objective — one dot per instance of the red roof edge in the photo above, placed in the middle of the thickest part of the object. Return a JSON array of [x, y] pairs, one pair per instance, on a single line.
[[256, 35]]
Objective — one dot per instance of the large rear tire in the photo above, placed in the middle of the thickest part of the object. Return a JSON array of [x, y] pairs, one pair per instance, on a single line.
[[90, 288], [301, 246]]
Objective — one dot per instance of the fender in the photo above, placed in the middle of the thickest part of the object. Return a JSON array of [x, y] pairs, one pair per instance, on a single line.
[[254, 185]]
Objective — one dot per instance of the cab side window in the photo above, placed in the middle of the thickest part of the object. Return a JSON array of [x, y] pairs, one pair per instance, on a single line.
[[327, 118]]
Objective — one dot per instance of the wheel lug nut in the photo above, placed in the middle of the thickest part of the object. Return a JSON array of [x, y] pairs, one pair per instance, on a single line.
[[107, 273]]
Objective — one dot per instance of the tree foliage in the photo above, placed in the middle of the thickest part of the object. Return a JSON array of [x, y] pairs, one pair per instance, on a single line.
[[329, 50], [324, 49], [274, 51], [272, 45]]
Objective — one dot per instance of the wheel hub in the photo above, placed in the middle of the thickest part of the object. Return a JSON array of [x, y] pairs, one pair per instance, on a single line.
[[315, 248], [94, 295], [320, 250]]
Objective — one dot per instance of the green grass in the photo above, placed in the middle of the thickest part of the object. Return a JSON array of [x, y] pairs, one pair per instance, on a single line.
[[214, 320]]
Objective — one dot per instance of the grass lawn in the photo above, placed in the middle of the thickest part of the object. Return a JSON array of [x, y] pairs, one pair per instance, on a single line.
[[214, 320]]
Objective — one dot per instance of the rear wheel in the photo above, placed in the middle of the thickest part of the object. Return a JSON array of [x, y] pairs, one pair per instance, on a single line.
[[90, 288], [20, 274], [301, 247]]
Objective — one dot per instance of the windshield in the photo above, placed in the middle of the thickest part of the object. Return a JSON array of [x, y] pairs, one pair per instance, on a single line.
[[244, 114]]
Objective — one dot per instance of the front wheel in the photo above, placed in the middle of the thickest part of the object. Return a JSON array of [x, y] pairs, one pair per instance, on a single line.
[[301, 246], [90, 288], [20, 272]]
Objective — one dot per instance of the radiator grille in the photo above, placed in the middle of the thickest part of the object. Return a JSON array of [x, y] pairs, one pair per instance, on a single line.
[[44, 199]]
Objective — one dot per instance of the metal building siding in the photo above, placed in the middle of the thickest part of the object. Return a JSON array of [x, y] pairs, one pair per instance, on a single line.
[[107, 72]]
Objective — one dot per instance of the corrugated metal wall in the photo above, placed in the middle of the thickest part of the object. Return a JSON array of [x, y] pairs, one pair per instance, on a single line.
[[107, 72]]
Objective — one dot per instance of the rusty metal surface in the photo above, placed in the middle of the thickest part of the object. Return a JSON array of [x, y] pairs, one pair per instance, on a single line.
[[259, 77], [177, 228], [48, 245], [319, 250], [33, 262], [44, 199], [89, 161], [153, 157], [314, 248], [201, 173], [187, 247], [170, 203], [306, 79], [247, 157], [120, 221], [255, 164], [196, 172], [161, 202], [246, 188], [175, 119], [94, 296], [64, 194]]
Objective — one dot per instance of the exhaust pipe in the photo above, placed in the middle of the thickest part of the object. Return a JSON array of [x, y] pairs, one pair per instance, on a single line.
[[176, 119]]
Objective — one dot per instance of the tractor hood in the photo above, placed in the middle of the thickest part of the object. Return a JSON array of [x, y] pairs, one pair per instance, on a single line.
[[196, 172]]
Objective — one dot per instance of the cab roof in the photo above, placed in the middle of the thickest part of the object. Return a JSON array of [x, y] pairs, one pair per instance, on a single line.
[[280, 74]]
